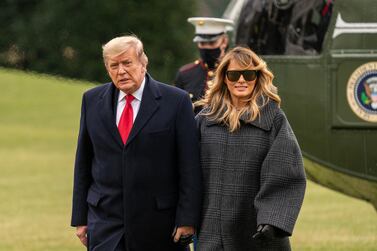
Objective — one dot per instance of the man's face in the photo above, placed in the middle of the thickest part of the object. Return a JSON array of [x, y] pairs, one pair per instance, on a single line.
[[126, 71], [210, 45], [221, 43]]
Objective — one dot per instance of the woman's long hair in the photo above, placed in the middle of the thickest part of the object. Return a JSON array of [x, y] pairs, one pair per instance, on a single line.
[[217, 99]]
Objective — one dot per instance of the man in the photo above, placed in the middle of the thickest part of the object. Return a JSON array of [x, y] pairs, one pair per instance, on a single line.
[[212, 41], [137, 176]]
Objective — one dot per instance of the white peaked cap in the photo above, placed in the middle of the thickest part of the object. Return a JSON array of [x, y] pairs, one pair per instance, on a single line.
[[209, 28]]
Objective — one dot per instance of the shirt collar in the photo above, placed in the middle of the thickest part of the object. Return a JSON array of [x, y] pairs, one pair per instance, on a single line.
[[137, 94]]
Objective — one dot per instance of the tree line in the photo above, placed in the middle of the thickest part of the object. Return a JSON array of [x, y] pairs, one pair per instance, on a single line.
[[65, 37]]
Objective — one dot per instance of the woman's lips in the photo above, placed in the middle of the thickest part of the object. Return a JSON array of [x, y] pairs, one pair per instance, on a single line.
[[241, 87]]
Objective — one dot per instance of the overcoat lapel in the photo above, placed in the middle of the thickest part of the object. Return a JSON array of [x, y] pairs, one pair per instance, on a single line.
[[106, 111], [149, 105]]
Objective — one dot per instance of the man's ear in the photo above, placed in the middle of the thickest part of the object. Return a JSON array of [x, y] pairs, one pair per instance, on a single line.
[[108, 72], [107, 68], [224, 43], [144, 69]]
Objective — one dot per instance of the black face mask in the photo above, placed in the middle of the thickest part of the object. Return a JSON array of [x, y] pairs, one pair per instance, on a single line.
[[210, 56]]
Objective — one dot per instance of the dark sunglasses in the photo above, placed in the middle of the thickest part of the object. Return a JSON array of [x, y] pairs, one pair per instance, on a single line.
[[248, 75]]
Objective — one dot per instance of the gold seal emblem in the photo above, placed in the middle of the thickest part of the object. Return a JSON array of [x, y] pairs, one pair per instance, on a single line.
[[362, 92]]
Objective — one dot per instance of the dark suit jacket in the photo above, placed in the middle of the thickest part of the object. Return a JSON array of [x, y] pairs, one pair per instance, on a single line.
[[142, 189]]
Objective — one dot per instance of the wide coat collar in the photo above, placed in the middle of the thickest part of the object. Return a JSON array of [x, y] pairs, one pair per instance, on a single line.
[[265, 119], [149, 105]]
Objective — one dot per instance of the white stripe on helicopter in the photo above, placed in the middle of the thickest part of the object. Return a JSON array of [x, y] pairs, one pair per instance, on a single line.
[[342, 27]]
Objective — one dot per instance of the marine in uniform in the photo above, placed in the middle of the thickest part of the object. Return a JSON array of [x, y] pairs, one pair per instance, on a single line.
[[212, 41]]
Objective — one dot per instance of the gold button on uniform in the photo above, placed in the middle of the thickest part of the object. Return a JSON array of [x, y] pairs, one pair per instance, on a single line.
[[209, 83]]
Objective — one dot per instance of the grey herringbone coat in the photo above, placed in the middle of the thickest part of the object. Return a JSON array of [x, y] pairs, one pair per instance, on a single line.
[[252, 176]]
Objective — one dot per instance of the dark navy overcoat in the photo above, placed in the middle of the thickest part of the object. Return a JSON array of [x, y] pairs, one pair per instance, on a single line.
[[143, 189]]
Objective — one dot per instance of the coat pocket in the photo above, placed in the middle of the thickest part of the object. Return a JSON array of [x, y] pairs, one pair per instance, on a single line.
[[166, 201], [93, 197]]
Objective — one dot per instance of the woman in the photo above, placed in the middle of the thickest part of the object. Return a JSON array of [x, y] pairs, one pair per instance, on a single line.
[[254, 181]]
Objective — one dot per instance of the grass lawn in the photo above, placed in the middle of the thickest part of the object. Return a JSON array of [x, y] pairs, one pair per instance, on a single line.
[[39, 118], [332, 221]]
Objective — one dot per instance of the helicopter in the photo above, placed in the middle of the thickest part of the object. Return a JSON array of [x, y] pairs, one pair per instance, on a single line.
[[323, 54]]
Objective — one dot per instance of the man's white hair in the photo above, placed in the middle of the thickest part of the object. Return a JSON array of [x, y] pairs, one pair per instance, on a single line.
[[119, 45]]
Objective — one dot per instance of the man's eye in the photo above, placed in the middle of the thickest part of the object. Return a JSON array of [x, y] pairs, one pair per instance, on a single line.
[[113, 66]]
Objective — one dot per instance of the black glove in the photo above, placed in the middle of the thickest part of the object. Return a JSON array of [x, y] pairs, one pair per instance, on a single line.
[[185, 240], [269, 232]]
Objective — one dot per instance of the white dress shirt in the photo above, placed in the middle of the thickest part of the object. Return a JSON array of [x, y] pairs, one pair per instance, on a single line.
[[135, 103]]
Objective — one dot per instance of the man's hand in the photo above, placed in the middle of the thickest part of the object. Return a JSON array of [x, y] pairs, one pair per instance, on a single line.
[[81, 233], [183, 234]]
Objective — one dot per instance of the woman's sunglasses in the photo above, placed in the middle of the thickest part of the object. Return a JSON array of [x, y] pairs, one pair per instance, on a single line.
[[248, 75]]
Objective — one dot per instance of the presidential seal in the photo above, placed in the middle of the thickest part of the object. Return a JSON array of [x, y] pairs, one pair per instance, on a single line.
[[362, 92]]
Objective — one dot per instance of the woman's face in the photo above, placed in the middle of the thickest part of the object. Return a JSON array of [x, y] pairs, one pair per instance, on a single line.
[[240, 82]]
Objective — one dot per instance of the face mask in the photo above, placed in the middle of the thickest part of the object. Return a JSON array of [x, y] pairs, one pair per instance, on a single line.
[[210, 56]]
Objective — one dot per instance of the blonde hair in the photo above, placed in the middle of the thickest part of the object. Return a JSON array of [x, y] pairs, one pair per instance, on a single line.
[[119, 45], [217, 99]]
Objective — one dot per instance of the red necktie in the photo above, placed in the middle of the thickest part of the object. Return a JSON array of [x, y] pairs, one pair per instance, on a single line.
[[126, 120]]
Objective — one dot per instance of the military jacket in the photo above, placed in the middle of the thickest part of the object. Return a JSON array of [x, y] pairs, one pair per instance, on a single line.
[[194, 78]]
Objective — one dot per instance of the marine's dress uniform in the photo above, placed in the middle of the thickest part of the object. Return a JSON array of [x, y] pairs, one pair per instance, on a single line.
[[195, 79], [252, 176]]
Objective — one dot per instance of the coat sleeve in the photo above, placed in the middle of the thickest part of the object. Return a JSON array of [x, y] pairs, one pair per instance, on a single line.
[[282, 179], [190, 181], [82, 172]]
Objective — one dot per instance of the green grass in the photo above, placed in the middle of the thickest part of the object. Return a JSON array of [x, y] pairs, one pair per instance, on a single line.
[[334, 222], [39, 118]]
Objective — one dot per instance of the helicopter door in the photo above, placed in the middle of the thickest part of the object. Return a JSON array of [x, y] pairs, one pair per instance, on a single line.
[[353, 62], [353, 78]]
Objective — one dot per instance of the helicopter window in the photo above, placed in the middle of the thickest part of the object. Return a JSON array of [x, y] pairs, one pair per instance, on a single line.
[[284, 27]]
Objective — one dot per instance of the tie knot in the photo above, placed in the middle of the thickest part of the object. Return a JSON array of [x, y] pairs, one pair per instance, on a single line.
[[129, 98]]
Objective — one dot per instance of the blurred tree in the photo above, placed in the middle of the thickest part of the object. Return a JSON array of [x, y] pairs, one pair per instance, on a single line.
[[212, 8], [65, 37]]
